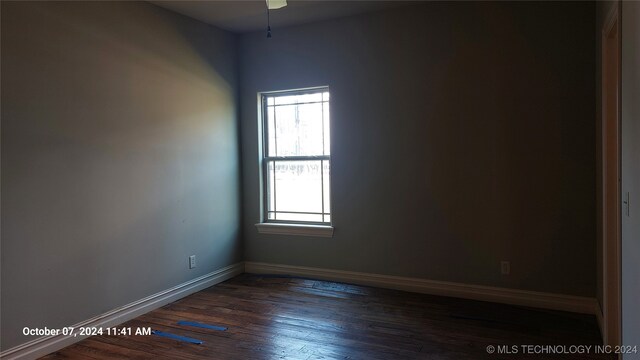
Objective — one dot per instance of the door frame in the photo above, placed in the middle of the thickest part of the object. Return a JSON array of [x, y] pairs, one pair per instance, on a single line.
[[611, 177]]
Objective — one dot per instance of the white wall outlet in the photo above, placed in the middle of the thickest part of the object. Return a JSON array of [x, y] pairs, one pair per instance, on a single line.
[[505, 267], [192, 261]]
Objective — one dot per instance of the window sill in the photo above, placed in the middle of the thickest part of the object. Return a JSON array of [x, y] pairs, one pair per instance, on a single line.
[[295, 229]]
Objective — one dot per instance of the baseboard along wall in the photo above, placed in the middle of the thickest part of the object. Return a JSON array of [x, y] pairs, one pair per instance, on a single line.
[[48, 344], [577, 304]]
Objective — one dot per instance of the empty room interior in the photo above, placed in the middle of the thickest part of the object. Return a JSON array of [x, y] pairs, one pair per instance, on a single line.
[[291, 179]]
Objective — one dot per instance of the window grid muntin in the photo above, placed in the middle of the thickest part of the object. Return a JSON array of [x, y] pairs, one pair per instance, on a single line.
[[269, 185], [274, 149], [267, 159]]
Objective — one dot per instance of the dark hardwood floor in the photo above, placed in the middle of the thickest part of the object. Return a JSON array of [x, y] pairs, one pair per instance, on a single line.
[[291, 318]]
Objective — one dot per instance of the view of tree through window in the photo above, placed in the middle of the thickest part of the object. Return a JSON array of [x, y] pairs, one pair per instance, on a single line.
[[297, 156]]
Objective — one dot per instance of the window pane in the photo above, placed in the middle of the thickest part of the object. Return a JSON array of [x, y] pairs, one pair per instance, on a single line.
[[271, 132], [298, 130], [294, 99], [271, 195], [327, 129], [326, 171], [299, 217], [298, 186]]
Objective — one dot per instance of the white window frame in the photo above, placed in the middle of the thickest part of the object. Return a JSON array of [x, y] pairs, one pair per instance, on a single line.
[[287, 227]]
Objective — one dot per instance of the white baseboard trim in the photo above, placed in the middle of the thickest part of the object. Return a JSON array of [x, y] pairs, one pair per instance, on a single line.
[[48, 344], [578, 304]]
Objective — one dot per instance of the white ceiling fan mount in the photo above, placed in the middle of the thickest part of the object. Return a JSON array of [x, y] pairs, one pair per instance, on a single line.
[[276, 4]]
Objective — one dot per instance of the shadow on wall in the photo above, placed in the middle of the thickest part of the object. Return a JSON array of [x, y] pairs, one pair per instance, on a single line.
[[119, 157]]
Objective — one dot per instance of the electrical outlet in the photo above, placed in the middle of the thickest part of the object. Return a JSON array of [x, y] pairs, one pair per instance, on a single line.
[[192, 261], [505, 267]]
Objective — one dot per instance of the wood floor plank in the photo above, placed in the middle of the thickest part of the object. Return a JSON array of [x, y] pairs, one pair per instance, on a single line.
[[278, 317]]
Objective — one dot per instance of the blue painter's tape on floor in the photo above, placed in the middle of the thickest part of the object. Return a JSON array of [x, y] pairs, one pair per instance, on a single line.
[[204, 326], [177, 337]]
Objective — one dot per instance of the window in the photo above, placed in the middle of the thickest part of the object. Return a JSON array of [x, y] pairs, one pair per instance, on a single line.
[[296, 157]]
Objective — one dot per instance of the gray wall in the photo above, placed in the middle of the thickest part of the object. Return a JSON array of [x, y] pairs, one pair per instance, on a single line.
[[631, 174], [119, 157], [463, 134]]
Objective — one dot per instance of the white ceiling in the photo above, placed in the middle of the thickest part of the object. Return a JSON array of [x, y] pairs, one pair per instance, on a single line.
[[241, 16]]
